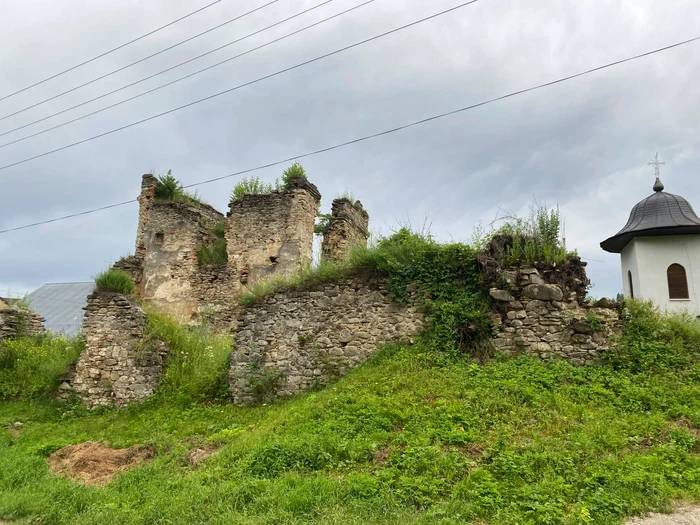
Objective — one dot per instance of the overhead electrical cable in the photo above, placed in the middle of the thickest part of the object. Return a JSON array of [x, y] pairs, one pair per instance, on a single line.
[[110, 51], [140, 60], [379, 134], [178, 79], [260, 79]]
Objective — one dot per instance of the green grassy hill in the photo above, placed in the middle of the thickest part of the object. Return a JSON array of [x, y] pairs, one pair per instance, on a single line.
[[411, 437]]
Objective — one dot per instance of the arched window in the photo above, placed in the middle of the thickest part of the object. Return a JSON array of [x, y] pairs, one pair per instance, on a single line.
[[677, 282], [629, 276]]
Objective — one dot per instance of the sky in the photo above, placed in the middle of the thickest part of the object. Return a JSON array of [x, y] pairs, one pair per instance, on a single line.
[[582, 145]]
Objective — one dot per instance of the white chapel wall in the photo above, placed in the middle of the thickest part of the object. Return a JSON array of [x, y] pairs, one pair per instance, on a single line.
[[648, 258]]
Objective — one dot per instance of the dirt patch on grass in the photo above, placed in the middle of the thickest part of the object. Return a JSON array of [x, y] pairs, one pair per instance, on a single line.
[[198, 455], [95, 463], [680, 516]]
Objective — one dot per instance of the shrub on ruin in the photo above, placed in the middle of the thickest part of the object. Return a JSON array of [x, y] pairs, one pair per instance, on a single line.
[[252, 186], [296, 170], [537, 238], [30, 366], [168, 188], [116, 281]]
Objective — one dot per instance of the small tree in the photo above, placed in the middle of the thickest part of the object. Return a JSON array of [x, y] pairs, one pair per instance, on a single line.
[[168, 188], [296, 170]]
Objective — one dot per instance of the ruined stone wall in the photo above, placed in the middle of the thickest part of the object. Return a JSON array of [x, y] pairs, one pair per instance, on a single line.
[[16, 321], [348, 227], [116, 366], [172, 279], [292, 340], [539, 314], [271, 235]]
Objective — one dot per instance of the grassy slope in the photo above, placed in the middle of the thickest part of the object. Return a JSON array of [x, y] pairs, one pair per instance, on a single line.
[[401, 440]]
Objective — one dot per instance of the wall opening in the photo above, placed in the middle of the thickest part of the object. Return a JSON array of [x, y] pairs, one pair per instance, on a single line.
[[629, 276], [677, 282], [160, 238]]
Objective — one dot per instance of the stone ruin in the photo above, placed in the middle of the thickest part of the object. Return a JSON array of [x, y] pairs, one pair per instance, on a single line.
[[16, 321], [293, 340], [543, 312]]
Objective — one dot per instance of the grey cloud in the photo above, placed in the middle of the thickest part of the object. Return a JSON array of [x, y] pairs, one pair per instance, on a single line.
[[583, 145]]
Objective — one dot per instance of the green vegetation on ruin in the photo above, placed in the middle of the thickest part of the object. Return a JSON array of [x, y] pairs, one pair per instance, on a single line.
[[216, 252], [117, 281], [168, 188], [255, 186], [414, 436], [198, 360], [447, 276]]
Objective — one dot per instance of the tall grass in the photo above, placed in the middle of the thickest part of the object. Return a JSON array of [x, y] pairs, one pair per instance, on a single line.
[[198, 362], [115, 281], [31, 365], [537, 238], [215, 253]]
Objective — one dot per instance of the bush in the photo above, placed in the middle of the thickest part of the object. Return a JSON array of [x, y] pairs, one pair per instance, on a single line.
[[168, 188], [115, 281], [253, 186], [198, 362], [652, 340], [31, 365], [296, 170]]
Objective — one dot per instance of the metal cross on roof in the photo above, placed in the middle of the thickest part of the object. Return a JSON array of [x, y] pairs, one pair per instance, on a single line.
[[656, 163]]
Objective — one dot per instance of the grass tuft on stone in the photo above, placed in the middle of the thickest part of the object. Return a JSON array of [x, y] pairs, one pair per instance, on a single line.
[[115, 281]]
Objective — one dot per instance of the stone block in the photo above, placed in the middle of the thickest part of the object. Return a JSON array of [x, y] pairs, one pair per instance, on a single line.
[[543, 292], [501, 295]]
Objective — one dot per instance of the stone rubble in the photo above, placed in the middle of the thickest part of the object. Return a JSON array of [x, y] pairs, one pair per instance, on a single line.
[[542, 319]]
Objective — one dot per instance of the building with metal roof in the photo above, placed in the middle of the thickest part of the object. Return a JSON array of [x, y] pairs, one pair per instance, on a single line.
[[660, 249], [61, 305]]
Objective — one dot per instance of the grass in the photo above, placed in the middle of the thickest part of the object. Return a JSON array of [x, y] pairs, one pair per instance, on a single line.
[[115, 281], [30, 365], [410, 437], [197, 363], [537, 238], [215, 253]]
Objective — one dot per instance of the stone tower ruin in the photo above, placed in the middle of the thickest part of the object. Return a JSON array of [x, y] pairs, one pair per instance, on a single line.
[[348, 227]]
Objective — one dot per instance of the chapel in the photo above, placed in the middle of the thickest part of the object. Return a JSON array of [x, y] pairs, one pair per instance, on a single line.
[[660, 250]]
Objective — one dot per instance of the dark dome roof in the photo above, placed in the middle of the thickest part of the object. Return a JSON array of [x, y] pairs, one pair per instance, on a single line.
[[659, 214]]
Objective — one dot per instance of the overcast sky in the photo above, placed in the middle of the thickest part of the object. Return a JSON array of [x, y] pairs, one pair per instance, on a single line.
[[583, 145]]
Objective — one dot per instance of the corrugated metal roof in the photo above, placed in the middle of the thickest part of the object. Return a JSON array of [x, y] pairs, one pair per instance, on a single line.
[[659, 214], [61, 304]]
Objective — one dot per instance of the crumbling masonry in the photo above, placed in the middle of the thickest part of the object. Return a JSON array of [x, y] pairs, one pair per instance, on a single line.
[[290, 341]]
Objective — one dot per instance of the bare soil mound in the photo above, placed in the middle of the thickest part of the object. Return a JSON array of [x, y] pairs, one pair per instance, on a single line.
[[95, 463]]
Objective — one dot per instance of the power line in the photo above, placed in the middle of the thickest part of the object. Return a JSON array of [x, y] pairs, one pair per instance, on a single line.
[[260, 79], [140, 60], [381, 133], [181, 78], [111, 50]]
